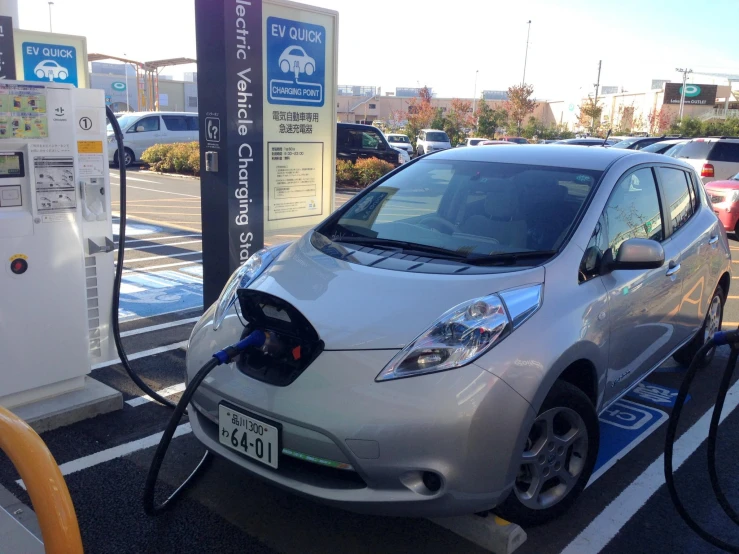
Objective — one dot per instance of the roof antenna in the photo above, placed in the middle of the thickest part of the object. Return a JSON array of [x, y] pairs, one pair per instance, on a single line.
[[608, 134]]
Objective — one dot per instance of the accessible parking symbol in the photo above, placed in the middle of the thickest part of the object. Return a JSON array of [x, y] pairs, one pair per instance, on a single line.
[[296, 62]]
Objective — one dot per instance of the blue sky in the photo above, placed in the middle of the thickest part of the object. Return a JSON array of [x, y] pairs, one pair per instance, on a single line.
[[391, 43]]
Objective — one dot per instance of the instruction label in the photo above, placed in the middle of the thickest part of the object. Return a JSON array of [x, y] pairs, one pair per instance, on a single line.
[[23, 112], [55, 184], [295, 179]]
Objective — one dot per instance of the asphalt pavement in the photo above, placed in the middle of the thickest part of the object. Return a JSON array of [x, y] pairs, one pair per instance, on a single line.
[[105, 459]]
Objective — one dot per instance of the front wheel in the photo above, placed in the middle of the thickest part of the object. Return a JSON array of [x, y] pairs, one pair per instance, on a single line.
[[711, 324], [557, 460]]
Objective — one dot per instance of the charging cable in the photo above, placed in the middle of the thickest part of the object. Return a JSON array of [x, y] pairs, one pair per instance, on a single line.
[[254, 339], [720, 338], [119, 269]]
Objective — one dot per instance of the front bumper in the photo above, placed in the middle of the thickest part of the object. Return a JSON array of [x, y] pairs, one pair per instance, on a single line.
[[728, 214], [464, 425]]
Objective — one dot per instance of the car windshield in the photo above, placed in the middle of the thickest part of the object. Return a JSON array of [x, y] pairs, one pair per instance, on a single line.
[[626, 142], [475, 211], [437, 136], [674, 150], [657, 147], [124, 121], [518, 140], [397, 138]]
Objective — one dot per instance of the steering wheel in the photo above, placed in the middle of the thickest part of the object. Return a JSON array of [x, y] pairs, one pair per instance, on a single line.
[[436, 223]]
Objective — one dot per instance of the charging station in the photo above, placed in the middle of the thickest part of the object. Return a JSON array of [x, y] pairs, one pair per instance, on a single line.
[[56, 249]]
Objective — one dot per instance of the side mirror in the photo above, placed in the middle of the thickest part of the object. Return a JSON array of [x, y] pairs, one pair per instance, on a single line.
[[639, 254], [140, 129]]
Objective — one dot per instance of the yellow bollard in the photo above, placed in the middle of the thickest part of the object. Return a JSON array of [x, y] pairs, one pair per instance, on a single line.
[[44, 482]]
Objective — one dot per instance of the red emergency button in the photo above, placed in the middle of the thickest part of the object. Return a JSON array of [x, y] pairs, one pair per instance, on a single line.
[[18, 266]]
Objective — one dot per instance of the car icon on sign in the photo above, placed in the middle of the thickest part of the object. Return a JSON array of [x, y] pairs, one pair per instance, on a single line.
[[51, 70], [295, 59]]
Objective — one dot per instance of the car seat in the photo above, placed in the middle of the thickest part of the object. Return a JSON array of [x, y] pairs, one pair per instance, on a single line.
[[500, 221]]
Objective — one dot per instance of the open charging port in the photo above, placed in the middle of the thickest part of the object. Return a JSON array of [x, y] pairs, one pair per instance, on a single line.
[[291, 344]]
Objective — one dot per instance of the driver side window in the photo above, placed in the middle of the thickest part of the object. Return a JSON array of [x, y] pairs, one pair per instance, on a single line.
[[148, 123], [632, 211]]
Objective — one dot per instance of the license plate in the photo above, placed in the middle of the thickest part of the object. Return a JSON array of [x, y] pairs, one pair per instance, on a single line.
[[250, 436]]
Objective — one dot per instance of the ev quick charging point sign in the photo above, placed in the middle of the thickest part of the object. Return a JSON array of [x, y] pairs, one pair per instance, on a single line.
[[50, 63], [296, 62]]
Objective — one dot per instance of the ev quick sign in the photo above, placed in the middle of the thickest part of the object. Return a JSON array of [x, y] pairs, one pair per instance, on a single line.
[[296, 62], [49, 63]]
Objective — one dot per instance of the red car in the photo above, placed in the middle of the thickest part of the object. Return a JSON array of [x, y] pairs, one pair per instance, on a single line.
[[724, 196]]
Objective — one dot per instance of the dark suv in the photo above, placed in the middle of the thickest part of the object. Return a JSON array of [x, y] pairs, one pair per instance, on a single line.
[[354, 141], [637, 143]]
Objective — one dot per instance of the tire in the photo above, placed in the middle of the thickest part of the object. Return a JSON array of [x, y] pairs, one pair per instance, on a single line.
[[566, 408], [711, 324], [128, 158]]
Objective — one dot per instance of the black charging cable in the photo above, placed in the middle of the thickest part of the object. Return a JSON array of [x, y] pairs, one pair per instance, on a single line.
[[731, 338], [254, 339], [119, 269]]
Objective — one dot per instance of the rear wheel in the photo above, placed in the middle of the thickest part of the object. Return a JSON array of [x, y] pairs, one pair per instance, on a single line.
[[557, 460], [128, 158], [711, 324]]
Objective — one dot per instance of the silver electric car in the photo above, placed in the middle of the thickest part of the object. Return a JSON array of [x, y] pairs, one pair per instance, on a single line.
[[444, 343]]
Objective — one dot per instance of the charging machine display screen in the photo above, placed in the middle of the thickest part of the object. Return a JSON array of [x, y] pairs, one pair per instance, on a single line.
[[11, 164]]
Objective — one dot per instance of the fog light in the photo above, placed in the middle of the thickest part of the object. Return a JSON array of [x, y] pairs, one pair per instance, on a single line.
[[432, 481]]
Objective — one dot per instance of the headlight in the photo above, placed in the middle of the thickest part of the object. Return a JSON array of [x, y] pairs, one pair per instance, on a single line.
[[242, 278], [465, 333], [734, 196]]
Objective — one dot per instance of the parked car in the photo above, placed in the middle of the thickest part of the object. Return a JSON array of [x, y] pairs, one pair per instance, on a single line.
[[496, 143], [400, 141], [663, 146], [674, 150], [142, 130], [716, 158], [583, 142], [474, 141], [432, 140], [444, 342], [637, 143], [724, 196], [403, 156], [517, 140], [355, 141]]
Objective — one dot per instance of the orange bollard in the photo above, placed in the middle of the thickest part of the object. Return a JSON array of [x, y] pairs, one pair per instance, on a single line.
[[44, 482]]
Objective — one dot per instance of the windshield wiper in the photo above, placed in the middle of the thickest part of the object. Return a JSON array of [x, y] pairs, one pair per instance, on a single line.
[[411, 248], [506, 258]]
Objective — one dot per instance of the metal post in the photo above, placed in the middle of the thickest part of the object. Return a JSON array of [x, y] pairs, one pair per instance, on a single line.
[[50, 4], [474, 95], [595, 101], [685, 72], [526, 57]]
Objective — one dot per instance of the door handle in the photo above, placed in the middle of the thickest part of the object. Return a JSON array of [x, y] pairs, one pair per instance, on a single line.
[[674, 268], [713, 240]]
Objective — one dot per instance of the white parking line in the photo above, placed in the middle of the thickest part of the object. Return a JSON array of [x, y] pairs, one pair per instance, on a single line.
[[150, 258], [169, 391], [163, 245], [156, 190], [116, 452], [144, 354], [159, 327], [618, 513], [144, 269]]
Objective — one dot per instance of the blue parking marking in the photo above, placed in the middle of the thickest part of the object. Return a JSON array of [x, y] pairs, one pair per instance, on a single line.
[[147, 294], [655, 394], [623, 426]]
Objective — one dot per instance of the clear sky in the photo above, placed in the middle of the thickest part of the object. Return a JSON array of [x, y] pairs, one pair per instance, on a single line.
[[405, 43]]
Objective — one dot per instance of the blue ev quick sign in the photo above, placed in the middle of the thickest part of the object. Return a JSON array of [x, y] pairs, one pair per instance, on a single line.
[[50, 62], [296, 62]]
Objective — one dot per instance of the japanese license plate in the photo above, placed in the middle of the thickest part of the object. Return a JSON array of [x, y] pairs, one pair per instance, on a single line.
[[250, 436]]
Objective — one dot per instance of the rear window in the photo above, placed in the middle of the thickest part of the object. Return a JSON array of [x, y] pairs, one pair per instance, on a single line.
[[725, 152], [437, 136], [696, 150], [397, 138]]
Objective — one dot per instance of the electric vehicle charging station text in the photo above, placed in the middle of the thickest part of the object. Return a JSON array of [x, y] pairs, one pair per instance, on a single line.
[[267, 91], [55, 239]]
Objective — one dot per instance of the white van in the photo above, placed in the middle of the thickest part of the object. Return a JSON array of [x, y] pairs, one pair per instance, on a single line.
[[145, 129]]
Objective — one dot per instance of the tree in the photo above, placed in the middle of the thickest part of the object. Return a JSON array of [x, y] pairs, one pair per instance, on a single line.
[[458, 121], [519, 103], [659, 120], [489, 120], [420, 113], [589, 114], [438, 120]]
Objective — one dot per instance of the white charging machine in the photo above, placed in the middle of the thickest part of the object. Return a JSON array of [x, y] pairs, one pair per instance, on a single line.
[[56, 243]]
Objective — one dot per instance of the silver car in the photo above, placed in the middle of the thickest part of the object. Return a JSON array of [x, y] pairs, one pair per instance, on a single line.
[[444, 343]]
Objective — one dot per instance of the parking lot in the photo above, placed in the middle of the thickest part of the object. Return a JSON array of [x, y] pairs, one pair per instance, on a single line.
[[105, 460]]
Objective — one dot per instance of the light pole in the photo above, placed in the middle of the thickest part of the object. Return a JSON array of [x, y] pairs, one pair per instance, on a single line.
[[125, 71], [50, 4], [474, 95], [526, 56], [682, 89]]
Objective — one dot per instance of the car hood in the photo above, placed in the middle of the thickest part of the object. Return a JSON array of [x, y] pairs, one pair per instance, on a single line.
[[725, 185], [356, 307]]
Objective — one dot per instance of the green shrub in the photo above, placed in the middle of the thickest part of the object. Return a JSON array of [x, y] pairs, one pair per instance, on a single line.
[[370, 169], [183, 157], [345, 172]]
